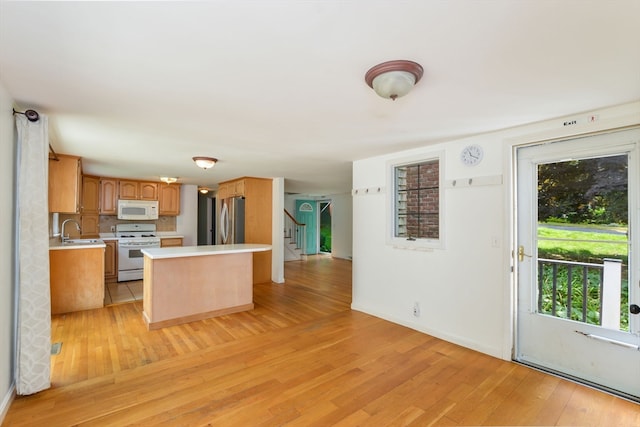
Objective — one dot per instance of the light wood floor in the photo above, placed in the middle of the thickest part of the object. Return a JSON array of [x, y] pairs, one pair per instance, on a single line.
[[302, 358]]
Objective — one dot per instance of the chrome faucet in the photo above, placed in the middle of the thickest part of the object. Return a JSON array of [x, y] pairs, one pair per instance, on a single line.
[[64, 238]]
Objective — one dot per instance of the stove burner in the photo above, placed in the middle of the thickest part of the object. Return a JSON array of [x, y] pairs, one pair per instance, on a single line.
[[127, 235], [148, 235]]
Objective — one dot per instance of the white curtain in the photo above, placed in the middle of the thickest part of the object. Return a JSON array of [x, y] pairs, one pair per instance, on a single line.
[[33, 364]]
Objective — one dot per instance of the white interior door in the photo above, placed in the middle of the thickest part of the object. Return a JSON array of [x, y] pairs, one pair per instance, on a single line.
[[567, 319]]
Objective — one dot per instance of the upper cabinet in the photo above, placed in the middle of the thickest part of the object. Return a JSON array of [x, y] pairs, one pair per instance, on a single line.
[[137, 190], [231, 189], [65, 180], [108, 196], [90, 203], [90, 195], [169, 200], [72, 193]]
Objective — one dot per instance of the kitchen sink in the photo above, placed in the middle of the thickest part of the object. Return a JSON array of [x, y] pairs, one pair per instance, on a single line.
[[82, 242]]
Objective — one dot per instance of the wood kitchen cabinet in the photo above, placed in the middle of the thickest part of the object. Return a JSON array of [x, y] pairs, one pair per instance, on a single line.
[[258, 217], [231, 189], [166, 242], [137, 190], [90, 195], [223, 191], [89, 226], [89, 208], [76, 279], [65, 181], [169, 199], [108, 196], [111, 261]]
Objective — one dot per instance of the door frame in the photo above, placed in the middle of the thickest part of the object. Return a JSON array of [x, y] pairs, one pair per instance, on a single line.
[[511, 162], [319, 203]]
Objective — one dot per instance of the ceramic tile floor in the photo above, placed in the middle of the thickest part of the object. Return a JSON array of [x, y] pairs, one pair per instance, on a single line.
[[116, 293]]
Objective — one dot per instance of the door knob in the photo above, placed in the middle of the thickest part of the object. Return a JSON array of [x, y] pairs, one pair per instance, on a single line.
[[634, 309]]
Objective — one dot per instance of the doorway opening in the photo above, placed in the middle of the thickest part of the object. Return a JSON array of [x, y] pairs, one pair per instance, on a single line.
[[324, 240], [206, 219]]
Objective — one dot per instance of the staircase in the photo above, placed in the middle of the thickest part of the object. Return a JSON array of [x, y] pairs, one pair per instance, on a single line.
[[295, 240]]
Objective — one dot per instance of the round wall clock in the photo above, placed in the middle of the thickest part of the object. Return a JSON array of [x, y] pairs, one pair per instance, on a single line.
[[471, 155]]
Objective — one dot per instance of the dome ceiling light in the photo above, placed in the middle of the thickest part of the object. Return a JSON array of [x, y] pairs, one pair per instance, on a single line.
[[168, 179], [393, 79], [205, 162]]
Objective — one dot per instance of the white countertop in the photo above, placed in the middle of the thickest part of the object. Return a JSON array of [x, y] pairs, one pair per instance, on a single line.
[[55, 244], [188, 251], [161, 234]]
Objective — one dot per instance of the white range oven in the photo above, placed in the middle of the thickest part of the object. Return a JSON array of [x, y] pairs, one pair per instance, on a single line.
[[132, 238]]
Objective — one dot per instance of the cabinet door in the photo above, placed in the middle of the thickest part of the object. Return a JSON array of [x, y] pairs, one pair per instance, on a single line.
[[110, 261], [148, 191], [128, 190], [223, 191], [90, 225], [170, 241], [64, 184], [108, 196], [90, 193], [169, 200], [239, 188]]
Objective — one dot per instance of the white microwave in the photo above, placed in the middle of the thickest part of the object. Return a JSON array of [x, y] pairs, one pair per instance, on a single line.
[[137, 209]]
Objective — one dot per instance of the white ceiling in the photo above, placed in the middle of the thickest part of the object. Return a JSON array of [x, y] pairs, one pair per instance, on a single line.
[[276, 88]]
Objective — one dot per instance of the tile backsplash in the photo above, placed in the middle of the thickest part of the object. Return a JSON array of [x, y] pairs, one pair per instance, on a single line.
[[163, 223]]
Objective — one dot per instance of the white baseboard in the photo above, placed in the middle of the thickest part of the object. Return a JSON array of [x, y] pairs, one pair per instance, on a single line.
[[6, 402]]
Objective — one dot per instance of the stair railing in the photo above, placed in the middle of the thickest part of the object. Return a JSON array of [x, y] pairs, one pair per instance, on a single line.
[[295, 231]]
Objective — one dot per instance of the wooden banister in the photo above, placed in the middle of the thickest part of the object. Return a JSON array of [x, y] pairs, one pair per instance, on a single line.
[[293, 219]]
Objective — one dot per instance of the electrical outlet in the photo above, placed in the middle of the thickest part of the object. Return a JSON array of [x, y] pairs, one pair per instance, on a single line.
[[113, 228], [416, 309]]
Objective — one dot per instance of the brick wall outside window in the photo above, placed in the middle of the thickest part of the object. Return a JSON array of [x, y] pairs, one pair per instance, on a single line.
[[417, 208]]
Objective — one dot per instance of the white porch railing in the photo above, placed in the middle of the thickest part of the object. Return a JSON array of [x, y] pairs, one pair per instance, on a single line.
[[598, 288]]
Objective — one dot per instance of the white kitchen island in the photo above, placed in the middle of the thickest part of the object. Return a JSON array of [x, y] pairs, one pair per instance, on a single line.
[[188, 283]]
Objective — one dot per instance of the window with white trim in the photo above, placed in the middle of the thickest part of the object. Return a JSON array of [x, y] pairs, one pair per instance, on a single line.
[[417, 202]]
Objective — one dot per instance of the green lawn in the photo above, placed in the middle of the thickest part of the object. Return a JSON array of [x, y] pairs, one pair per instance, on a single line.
[[583, 246]]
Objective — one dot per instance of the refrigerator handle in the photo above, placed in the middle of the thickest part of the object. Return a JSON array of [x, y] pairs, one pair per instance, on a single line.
[[224, 222]]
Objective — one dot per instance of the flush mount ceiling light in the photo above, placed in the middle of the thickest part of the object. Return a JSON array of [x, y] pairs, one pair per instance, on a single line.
[[203, 190], [393, 79], [205, 162], [168, 179]]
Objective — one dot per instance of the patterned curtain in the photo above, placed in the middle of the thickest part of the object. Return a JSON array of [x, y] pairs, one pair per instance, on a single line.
[[33, 364]]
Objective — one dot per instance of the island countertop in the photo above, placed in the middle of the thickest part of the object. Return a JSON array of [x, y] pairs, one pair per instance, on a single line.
[[190, 251]]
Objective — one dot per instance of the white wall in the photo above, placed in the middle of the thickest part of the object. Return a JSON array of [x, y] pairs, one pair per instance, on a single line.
[[7, 239], [187, 221], [341, 226], [277, 221], [465, 290]]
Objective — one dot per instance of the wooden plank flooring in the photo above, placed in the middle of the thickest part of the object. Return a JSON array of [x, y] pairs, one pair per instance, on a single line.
[[301, 358]]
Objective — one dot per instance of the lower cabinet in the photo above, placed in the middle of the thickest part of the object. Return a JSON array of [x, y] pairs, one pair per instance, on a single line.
[[166, 242], [111, 261], [76, 279]]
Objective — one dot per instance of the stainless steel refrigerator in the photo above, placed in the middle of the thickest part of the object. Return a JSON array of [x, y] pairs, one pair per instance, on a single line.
[[231, 221]]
